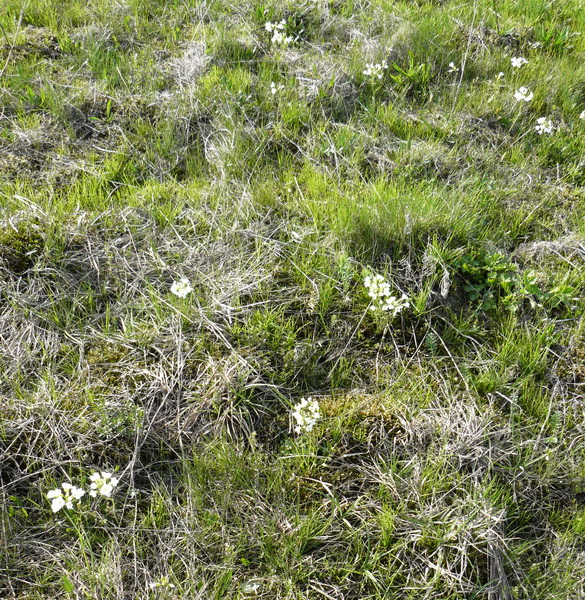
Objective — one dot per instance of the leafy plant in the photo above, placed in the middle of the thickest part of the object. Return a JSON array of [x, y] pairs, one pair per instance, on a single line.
[[486, 277], [490, 278], [413, 77]]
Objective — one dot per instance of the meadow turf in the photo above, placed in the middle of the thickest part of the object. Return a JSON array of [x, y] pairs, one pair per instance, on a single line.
[[147, 141]]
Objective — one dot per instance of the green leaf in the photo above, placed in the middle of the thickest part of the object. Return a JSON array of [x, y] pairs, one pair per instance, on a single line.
[[67, 585]]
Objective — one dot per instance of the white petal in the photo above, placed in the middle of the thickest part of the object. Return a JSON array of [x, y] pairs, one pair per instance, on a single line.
[[57, 504]]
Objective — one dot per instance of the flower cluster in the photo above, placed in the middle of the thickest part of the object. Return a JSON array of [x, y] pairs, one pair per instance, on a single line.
[[381, 295], [163, 582], [275, 88], [278, 34], [181, 288], [64, 496], [394, 304], [523, 94], [545, 125], [102, 483], [376, 69], [306, 413], [518, 61]]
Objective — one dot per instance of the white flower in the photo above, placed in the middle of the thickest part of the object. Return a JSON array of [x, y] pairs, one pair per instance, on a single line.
[[376, 69], [395, 305], [545, 125], [381, 295], [181, 288], [523, 94], [582, 115], [102, 483], [57, 500], [278, 35], [500, 75], [162, 582], [306, 413], [518, 61], [276, 88], [452, 68], [270, 27], [377, 287], [280, 38], [64, 496]]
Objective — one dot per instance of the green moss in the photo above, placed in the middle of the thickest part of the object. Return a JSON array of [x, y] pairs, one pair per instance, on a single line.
[[21, 247]]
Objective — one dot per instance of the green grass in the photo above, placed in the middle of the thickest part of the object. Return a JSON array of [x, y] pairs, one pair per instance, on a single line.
[[145, 142]]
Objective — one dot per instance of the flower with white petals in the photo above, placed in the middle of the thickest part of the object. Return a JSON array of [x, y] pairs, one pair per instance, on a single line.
[[306, 413], [377, 287], [270, 27], [518, 61], [545, 125], [102, 483], [523, 94], [274, 88], [453, 68], [278, 34], [394, 305], [582, 115], [181, 288], [57, 499], [163, 582], [64, 496], [382, 297], [376, 69], [280, 38]]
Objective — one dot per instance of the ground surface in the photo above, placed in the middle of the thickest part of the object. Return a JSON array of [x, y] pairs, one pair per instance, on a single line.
[[142, 143]]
